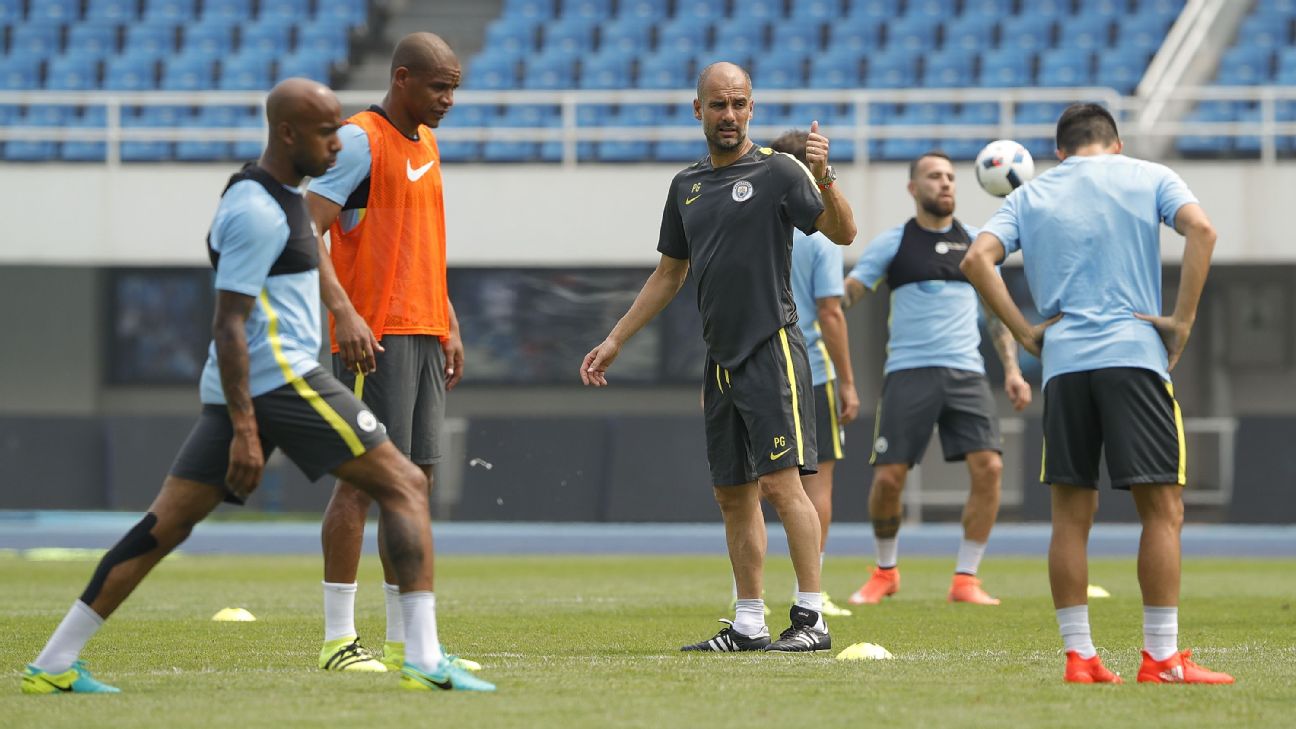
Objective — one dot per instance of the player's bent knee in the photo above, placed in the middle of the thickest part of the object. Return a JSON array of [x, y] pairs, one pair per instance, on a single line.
[[137, 542]]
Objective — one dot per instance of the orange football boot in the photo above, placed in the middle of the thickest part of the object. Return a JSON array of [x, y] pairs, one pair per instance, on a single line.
[[1088, 670], [882, 583], [967, 588], [1178, 669]]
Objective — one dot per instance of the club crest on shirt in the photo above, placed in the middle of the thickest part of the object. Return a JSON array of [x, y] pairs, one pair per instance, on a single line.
[[742, 190], [367, 422], [881, 445], [946, 246]]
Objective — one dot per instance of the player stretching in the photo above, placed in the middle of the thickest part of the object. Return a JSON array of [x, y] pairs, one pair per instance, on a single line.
[[817, 289], [383, 208], [261, 389], [1089, 233], [934, 377], [730, 216]]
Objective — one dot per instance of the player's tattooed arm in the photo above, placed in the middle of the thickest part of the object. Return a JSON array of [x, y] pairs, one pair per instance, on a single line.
[[229, 334], [1019, 391], [886, 527]]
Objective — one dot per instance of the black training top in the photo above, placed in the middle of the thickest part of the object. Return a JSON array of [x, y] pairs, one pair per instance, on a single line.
[[734, 225], [926, 255]]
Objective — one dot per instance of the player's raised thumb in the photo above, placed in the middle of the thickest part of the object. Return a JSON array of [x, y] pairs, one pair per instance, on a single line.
[[814, 127]]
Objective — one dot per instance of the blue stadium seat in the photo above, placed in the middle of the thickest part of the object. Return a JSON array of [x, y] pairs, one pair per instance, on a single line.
[[1286, 62], [663, 71], [249, 119], [93, 39], [130, 73], [172, 11], [1121, 72], [646, 10], [932, 10], [874, 10], [233, 11], [911, 33], [112, 11], [513, 35], [700, 10], [532, 9], [154, 39], [855, 34], [324, 39], [76, 73], [639, 115], [153, 117], [991, 8], [1006, 68], [208, 40], [209, 117], [19, 73], [571, 37], [590, 9], [492, 73], [892, 69], [1265, 31], [1207, 145], [682, 36], [1065, 68], [1051, 8], [1086, 32], [305, 65], [970, 33], [38, 39], [1143, 33], [802, 38], [352, 13], [73, 151], [54, 11], [245, 72], [1029, 33], [188, 73], [733, 51], [549, 72], [1247, 146], [766, 10], [947, 69], [1172, 8], [284, 11], [1104, 8], [779, 70], [746, 29], [835, 70], [821, 10], [1245, 66], [605, 71], [267, 38], [629, 36]]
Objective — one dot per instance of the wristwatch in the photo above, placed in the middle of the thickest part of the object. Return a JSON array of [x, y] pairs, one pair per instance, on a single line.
[[828, 179]]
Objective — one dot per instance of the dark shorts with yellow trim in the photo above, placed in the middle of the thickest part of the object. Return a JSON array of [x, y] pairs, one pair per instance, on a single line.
[[760, 416], [828, 430], [317, 422], [916, 400], [407, 392], [1129, 412]]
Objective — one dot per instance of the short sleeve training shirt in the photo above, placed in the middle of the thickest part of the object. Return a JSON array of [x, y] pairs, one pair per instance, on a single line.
[[734, 226]]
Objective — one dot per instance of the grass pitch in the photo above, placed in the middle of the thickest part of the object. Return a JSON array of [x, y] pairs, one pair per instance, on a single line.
[[592, 642]]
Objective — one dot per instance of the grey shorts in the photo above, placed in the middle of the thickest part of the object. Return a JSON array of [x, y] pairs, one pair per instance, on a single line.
[[315, 420], [832, 439], [760, 415], [916, 400], [407, 392]]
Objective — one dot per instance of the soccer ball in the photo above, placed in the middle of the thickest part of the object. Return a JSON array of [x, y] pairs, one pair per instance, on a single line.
[[1003, 166]]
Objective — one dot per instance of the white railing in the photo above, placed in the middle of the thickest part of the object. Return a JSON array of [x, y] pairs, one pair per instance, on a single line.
[[569, 133]]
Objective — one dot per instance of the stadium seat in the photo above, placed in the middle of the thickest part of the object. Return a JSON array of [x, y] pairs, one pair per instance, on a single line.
[[112, 11], [1006, 68], [1052, 8], [1142, 33], [493, 73], [663, 71], [1121, 72], [639, 115], [304, 64], [855, 34], [234, 11], [873, 10], [745, 32], [1245, 66], [1207, 145], [250, 118], [803, 38], [892, 69], [153, 39], [54, 11], [683, 36], [1104, 8], [130, 73], [150, 117], [947, 69], [644, 10], [266, 38], [736, 49], [680, 150], [549, 72], [835, 70], [39, 39], [352, 13], [93, 39], [933, 11], [605, 71], [694, 11], [208, 40], [988, 8], [629, 36], [208, 117], [820, 10], [766, 10], [570, 37], [76, 73], [38, 151], [245, 72], [911, 33], [188, 73], [515, 36], [1026, 33], [172, 11], [1085, 32], [323, 39], [18, 73], [1265, 31], [779, 70], [85, 151], [970, 33], [530, 9], [284, 11], [587, 9], [1065, 68]]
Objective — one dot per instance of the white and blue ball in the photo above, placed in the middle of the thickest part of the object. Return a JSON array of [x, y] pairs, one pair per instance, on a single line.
[[1003, 166]]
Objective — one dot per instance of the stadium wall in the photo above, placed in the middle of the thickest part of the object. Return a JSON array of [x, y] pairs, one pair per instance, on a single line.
[[513, 215]]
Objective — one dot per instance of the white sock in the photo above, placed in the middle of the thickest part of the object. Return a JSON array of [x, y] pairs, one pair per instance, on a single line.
[[749, 616], [422, 646], [969, 556], [1073, 624], [888, 551], [71, 635], [395, 621], [339, 610], [1160, 631], [796, 584], [812, 601]]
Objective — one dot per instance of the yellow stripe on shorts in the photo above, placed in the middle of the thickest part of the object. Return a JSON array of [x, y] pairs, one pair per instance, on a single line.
[[299, 384], [1179, 428], [792, 384], [831, 388]]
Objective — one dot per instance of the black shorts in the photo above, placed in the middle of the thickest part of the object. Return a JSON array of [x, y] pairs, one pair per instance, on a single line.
[[1128, 411], [916, 400], [407, 392], [319, 424], [760, 416], [831, 437]]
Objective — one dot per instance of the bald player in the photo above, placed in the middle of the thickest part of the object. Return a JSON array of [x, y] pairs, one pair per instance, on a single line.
[[730, 217], [395, 337], [263, 389]]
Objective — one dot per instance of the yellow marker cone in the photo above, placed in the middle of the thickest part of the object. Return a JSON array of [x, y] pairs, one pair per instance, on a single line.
[[1096, 591], [234, 615], [865, 652]]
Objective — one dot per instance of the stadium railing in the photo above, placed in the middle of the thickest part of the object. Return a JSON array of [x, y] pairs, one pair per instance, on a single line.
[[569, 132]]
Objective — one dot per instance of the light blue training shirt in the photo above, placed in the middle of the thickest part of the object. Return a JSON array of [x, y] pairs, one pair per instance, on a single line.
[[250, 231], [932, 323], [816, 274], [1089, 233], [344, 177]]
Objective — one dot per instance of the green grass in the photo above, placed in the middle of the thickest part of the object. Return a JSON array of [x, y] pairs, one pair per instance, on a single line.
[[591, 642]]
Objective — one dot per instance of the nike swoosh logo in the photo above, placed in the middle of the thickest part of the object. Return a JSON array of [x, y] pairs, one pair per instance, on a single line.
[[414, 174], [64, 689], [689, 200], [780, 454]]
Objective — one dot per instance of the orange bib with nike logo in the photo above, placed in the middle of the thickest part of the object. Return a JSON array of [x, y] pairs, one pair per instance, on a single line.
[[392, 263]]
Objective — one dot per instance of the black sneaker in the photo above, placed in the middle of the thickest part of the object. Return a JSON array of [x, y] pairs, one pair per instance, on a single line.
[[803, 636], [729, 640]]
